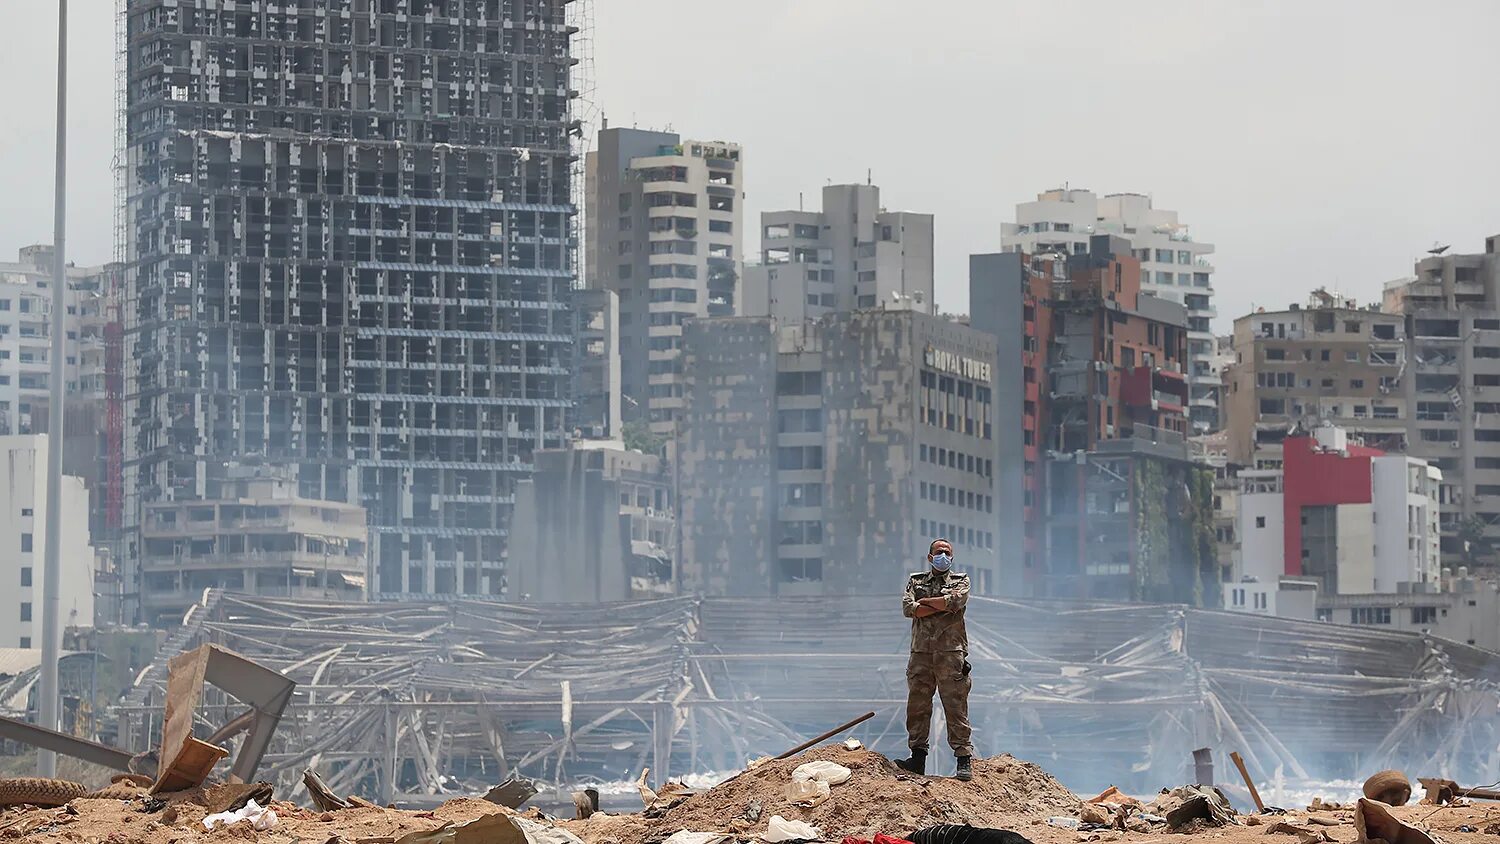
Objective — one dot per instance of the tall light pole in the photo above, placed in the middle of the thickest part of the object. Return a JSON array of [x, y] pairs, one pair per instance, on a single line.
[[47, 697]]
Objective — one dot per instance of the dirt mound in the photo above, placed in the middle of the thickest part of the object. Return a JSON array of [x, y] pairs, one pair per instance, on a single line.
[[879, 797]]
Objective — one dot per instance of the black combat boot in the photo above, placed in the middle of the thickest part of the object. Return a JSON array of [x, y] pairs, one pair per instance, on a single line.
[[917, 764], [965, 772]]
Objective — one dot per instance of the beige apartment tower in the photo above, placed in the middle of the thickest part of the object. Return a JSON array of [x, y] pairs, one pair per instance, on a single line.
[[663, 231], [1328, 362], [851, 255]]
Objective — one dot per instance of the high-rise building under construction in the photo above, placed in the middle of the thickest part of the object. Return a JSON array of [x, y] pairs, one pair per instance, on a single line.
[[349, 233]]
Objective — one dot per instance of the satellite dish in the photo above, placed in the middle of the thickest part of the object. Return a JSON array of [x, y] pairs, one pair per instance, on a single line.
[[1438, 249]]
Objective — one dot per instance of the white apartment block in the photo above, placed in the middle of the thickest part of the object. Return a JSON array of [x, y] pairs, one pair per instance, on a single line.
[[1173, 266], [663, 221], [852, 255], [23, 519], [26, 337]]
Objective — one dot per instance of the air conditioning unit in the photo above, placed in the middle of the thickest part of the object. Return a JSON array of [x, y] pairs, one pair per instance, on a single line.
[[1454, 445]]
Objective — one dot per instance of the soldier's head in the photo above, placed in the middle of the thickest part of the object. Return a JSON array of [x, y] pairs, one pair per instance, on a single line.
[[940, 555]]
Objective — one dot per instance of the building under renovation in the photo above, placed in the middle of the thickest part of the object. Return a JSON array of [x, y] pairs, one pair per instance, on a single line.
[[349, 227]]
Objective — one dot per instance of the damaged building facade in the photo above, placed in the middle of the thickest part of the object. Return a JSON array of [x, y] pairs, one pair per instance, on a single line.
[[349, 233], [821, 458], [1099, 484], [594, 523]]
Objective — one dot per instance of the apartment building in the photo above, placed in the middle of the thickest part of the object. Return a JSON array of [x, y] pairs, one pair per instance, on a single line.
[[23, 545], [597, 389], [1174, 266], [26, 362], [595, 523], [260, 538], [821, 458], [853, 254], [1092, 393], [1329, 362], [1349, 518], [1450, 314], [664, 227], [351, 253]]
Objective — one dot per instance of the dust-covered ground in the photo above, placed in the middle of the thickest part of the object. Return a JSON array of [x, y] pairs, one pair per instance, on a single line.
[[1006, 793]]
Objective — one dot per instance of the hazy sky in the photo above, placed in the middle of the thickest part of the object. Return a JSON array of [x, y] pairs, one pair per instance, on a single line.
[[1312, 142]]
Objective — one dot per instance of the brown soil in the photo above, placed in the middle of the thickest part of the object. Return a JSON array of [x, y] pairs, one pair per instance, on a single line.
[[879, 797], [1006, 793], [125, 822]]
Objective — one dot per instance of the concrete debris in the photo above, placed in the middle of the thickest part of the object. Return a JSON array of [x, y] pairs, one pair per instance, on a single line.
[[1373, 821], [514, 792], [1193, 803], [1114, 795], [1304, 835], [320, 794]]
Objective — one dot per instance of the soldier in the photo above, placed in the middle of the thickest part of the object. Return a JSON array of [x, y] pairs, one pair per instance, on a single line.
[[935, 601]]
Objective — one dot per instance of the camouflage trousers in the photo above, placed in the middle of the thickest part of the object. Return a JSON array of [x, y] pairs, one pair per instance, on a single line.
[[945, 673]]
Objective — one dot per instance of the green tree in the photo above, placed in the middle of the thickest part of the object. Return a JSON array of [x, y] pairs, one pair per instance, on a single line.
[[639, 437]]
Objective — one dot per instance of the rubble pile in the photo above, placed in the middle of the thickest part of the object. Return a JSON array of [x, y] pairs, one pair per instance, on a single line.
[[877, 797], [769, 803]]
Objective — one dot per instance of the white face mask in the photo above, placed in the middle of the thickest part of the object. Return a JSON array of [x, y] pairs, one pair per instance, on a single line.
[[942, 562]]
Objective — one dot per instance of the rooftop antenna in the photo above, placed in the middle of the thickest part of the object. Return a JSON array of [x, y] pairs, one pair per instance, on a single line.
[[869, 176], [799, 200]]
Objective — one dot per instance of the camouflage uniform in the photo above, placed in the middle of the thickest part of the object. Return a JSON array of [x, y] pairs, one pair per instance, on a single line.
[[939, 660]]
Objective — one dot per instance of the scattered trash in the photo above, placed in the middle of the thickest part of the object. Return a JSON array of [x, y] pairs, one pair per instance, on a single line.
[[1492, 829], [1389, 787], [682, 836], [219, 799], [1465, 828], [513, 792], [1063, 822], [831, 773], [781, 829], [1239, 763], [806, 792], [260, 818], [965, 834], [1373, 820], [1190, 802], [1319, 804], [752, 811], [321, 796], [828, 735], [1441, 792], [852, 744]]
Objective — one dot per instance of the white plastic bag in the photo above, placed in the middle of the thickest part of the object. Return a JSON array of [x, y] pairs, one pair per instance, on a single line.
[[829, 772], [807, 792], [781, 829], [260, 818]]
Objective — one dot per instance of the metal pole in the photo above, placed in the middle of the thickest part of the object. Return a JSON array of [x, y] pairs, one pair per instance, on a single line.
[[46, 760]]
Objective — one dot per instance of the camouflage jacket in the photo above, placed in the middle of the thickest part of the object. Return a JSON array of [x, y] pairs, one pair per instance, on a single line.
[[939, 632]]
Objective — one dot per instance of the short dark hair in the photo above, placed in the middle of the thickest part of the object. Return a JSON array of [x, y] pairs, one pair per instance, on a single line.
[[935, 542]]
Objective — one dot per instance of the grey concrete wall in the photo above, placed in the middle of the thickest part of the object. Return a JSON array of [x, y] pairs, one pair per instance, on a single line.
[[996, 287]]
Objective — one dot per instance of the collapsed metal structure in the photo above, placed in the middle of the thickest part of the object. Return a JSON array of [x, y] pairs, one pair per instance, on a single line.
[[417, 702]]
